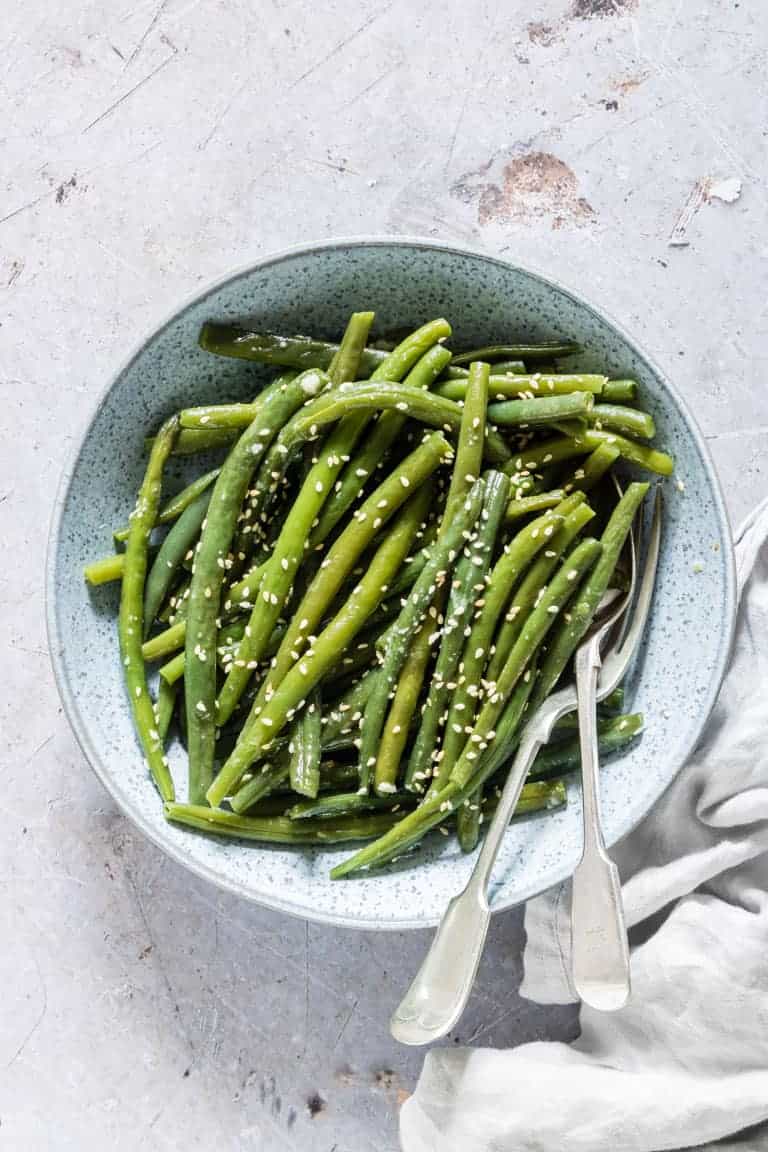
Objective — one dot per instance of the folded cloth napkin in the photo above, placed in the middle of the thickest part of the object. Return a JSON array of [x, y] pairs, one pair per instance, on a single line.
[[686, 1062]]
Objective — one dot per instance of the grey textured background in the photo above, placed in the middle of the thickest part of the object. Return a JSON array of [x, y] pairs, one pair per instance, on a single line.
[[149, 147]]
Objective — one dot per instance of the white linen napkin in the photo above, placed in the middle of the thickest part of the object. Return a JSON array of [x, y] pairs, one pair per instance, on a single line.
[[686, 1062]]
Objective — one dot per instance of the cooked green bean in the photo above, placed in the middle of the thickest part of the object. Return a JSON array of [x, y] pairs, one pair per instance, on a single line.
[[164, 706], [264, 725], [426, 407], [566, 447], [165, 642], [265, 780], [541, 410], [526, 385], [284, 351], [619, 391], [304, 749], [191, 441], [522, 506], [131, 619], [396, 730], [565, 755], [594, 468], [172, 551], [277, 404], [571, 630], [545, 350], [631, 421], [177, 504], [348, 804], [105, 570], [279, 829], [364, 463]]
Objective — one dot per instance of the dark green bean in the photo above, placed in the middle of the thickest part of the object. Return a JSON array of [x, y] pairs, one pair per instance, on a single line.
[[279, 829], [172, 551], [286, 351], [304, 749], [545, 350], [527, 386], [631, 421]]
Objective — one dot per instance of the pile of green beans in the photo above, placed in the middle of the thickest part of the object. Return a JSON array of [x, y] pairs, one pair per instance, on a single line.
[[343, 626]]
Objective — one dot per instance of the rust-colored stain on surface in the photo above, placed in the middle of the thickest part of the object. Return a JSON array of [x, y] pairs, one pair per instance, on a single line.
[[541, 33], [534, 185], [628, 83]]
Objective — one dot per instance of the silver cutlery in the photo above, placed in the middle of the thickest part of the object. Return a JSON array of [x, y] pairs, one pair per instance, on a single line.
[[440, 990]]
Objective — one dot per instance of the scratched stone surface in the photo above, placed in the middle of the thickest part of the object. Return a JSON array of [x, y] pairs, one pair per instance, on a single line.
[[148, 147]]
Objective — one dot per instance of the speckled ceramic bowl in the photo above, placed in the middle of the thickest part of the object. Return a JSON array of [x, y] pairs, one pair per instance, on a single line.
[[313, 290]]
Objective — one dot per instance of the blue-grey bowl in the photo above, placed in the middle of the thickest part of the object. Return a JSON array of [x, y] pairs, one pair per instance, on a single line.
[[313, 289]]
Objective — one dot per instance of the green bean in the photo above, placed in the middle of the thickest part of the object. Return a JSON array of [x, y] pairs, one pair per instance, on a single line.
[[285, 351], [191, 441], [279, 829], [565, 755], [278, 403], [341, 558], [500, 368], [347, 804], [541, 410], [536, 796], [524, 597], [594, 468], [546, 350], [367, 459], [394, 735], [522, 506], [131, 619], [566, 447], [172, 551], [177, 504], [267, 778], [530, 386], [304, 749], [515, 559], [426, 407], [164, 706], [555, 597], [570, 631], [631, 421], [469, 450], [619, 391], [434, 810], [105, 570], [346, 712], [280, 569], [287, 697], [173, 670], [435, 572], [470, 584], [165, 642]]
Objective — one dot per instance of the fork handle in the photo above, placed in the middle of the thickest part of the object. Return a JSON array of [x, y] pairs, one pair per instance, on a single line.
[[440, 990], [599, 950]]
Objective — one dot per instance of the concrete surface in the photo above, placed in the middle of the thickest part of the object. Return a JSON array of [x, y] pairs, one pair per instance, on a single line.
[[150, 146]]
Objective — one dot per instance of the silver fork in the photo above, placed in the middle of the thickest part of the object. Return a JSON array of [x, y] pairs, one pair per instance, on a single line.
[[440, 990]]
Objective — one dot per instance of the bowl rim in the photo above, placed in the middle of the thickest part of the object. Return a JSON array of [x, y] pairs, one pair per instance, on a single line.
[[71, 709]]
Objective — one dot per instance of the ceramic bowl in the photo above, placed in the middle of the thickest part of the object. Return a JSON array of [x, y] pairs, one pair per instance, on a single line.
[[313, 289]]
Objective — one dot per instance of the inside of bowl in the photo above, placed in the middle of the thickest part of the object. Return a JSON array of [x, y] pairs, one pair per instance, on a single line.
[[675, 677]]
